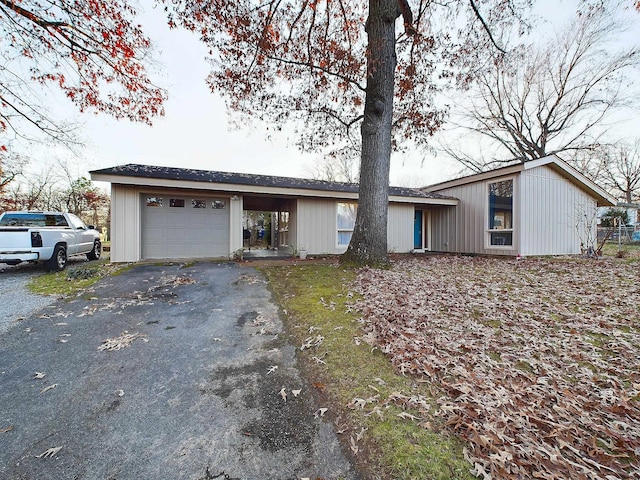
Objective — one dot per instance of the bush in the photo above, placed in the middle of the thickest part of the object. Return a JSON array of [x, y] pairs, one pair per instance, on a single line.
[[82, 273]]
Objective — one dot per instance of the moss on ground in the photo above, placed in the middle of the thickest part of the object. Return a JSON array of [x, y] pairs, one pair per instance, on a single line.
[[358, 384]]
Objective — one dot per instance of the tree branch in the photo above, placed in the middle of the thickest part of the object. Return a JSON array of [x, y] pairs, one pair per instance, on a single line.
[[474, 7]]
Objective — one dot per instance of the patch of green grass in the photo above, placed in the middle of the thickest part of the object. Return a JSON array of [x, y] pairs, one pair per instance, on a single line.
[[495, 356], [524, 366], [316, 303], [492, 323], [74, 279], [629, 251], [598, 340]]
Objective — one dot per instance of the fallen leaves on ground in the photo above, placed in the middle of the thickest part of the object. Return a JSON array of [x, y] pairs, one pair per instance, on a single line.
[[118, 343], [535, 363], [46, 389], [49, 452]]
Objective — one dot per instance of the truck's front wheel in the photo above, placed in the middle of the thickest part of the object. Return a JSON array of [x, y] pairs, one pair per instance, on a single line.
[[94, 254], [58, 260]]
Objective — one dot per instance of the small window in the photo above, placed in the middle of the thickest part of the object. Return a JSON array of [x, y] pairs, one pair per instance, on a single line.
[[154, 201], [198, 203], [60, 221], [176, 202], [218, 204], [501, 213], [346, 220]]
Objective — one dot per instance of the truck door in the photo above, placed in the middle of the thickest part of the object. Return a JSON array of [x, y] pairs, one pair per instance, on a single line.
[[83, 237]]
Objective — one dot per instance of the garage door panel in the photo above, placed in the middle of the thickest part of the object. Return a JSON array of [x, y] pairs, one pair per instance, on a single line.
[[184, 231]]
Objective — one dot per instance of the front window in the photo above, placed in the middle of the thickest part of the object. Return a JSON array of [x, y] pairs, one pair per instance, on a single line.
[[75, 221], [501, 213], [346, 220]]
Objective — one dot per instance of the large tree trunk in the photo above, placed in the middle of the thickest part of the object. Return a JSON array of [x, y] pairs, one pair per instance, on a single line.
[[368, 244]]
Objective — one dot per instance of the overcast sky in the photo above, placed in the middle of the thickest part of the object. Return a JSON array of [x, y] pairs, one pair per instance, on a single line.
[[194, 132]]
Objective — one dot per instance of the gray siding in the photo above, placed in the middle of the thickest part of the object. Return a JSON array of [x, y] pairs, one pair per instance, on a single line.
[[316, 227], [463, 229], [400, 228], [552, 216], [443, 229], [556, 215], [125, 224]]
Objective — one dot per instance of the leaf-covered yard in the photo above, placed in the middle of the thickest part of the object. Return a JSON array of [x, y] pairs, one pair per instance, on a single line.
[[534, 362]]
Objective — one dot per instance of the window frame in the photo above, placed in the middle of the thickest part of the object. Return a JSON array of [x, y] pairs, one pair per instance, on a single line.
[[153, 201], [343, 229], [489, 231]]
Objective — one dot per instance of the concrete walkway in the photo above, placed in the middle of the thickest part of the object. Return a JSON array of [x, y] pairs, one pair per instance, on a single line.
[[162, 372]]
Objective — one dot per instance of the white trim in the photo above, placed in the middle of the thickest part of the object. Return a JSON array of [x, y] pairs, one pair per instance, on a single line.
[[488, 231], [426, 232], [343, 230]]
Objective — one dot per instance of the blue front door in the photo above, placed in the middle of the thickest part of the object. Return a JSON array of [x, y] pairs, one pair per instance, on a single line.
[[417, 230]]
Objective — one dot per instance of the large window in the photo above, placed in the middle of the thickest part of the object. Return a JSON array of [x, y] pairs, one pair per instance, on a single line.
[[501, 213], [346, 220]]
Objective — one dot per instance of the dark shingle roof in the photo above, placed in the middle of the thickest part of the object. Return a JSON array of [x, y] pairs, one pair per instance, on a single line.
[[206, 176]]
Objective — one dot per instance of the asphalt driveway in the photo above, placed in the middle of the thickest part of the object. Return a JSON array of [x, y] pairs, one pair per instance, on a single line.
[[162, 372]]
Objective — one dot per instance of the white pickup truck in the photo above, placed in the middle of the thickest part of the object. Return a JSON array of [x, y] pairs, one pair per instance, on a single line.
[[48, 237]]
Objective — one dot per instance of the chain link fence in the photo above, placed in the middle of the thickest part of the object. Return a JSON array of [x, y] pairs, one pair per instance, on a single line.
[[627, 234]]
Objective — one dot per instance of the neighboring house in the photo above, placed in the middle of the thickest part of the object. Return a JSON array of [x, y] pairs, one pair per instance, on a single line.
[[161, 213], [541, 207]]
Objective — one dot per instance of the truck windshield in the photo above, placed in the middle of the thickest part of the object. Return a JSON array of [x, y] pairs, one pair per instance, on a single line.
[[33, 220]]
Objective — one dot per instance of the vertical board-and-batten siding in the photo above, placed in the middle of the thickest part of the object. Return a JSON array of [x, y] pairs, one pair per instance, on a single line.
[[317, 228], [125, 223], [463, 229], [316, 225], [400, 228], [555, 213]]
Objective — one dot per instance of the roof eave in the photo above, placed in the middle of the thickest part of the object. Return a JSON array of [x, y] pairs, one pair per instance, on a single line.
[[603, 198], [478, 177], [256, 189]]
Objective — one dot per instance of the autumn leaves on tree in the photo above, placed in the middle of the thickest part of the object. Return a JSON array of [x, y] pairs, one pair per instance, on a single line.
[[93, 51], [346, 76]]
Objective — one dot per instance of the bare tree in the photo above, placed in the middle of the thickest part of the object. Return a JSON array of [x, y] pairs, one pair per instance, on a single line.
[[33, 191], [621, 171], [554, 100], [335, 168], [11, 166]]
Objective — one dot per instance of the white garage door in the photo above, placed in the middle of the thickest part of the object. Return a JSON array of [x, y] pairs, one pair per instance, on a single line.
[[175, 226]]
